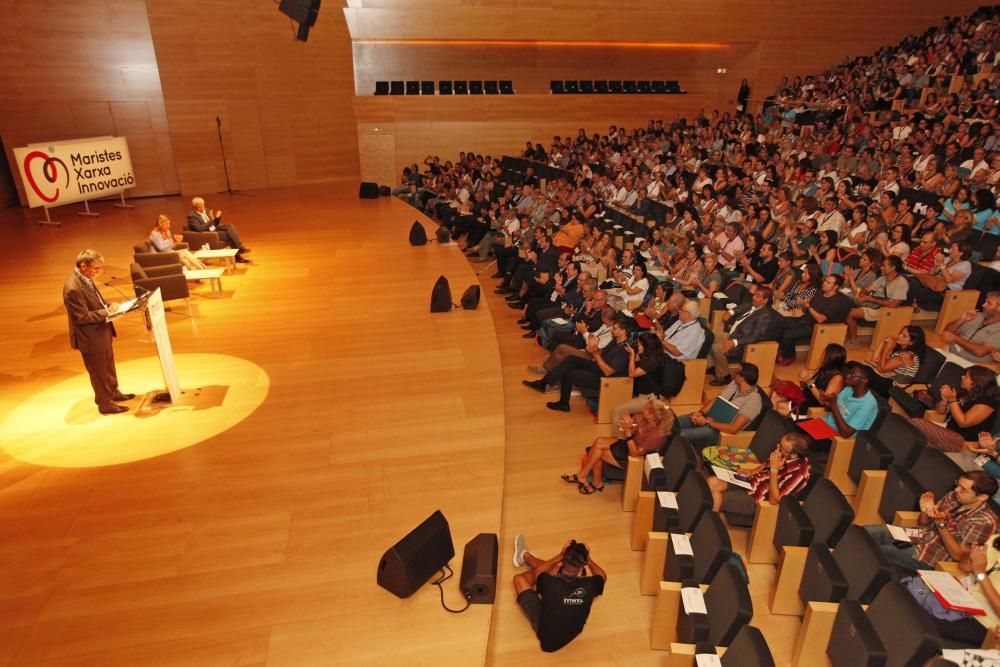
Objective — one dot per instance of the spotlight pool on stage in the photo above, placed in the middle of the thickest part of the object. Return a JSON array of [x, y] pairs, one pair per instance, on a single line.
[[60, 426]]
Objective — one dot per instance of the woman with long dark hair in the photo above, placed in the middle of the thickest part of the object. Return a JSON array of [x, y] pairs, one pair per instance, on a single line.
[[969, 409], [896, 360], [827, 380]]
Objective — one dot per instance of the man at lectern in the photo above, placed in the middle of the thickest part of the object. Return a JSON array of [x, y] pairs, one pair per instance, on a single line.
[[91, 333], [201, 219]]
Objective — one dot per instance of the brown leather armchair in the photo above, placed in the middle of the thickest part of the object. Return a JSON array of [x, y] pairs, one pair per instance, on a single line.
[[199, 239], [169, 278], [145, 256]]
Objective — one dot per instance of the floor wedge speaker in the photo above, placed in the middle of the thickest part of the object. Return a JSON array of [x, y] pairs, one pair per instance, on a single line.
[[441, 296], [478, 582], [412, 561], [368, 190]]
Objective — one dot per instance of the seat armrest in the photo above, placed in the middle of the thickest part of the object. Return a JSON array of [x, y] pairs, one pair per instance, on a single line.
[[951, 567], [906, 519], [741, 439]]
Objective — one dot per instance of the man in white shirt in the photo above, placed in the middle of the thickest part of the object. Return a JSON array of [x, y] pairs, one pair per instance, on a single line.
[[831, 218], [976, 167]]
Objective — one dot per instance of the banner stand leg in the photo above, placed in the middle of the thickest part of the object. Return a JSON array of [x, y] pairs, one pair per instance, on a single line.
[[48, 220], [123, 203], [87, 212]]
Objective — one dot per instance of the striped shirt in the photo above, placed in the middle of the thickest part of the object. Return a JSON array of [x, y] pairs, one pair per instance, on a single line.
[[972, 527], [792, 478]]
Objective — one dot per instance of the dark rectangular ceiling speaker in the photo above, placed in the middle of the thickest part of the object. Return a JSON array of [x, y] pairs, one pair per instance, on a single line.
[[412, 87], [426, 87], [506, 87], [478, 582], [368, 190], [491, 87], [303, 12], [381, 87], [397, 88], [444, 87], [411, 562]]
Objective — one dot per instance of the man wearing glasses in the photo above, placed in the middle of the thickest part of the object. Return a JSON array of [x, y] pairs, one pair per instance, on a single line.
[[948, 528]]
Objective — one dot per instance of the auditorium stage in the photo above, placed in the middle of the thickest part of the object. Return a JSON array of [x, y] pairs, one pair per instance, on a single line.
[[247, 530], [187, 538]]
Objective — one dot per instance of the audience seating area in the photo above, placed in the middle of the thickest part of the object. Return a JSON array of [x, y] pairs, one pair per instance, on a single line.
[[885, 169]]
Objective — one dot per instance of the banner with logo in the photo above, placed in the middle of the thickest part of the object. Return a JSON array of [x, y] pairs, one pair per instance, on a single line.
[[64, 172]]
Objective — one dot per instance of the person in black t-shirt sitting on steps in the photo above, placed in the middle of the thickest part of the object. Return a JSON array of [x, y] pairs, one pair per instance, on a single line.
[[556, 594]]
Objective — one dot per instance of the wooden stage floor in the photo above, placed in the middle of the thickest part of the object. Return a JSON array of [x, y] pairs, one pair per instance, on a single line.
[[256, 542]]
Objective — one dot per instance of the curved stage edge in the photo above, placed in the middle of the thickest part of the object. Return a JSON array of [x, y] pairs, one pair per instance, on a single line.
[[260, 542]]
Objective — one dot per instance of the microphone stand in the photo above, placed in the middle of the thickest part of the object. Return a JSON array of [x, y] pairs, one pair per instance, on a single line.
[[225, 164]]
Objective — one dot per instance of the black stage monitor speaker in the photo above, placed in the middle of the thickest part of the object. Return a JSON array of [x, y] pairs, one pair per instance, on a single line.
[[506, 87], [478, 582], [444, 87], [441, 296], [368, 190], [381, 87], [412, 87], [572, 86], [475, 87], [397, 87], [461, 87], [470, 298], [443, 235], [426, 87], [418, 235], [491, 87], [408, 564]]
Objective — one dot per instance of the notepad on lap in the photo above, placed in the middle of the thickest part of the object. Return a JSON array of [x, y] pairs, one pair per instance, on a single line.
[[818, 429], [950, 593], [722, 411], [731, 477]]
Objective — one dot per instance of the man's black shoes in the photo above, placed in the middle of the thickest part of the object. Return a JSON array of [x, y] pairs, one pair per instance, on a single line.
[[537, 385], [558, 406], [112, 409]]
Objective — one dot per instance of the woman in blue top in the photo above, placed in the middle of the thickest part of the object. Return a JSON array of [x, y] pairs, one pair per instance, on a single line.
[[954, 204], [983, 210]]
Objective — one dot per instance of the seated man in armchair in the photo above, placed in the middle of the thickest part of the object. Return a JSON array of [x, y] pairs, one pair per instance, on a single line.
[[201, 219]]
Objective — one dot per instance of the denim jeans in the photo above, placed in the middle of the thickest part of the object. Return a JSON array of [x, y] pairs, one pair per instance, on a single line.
[[698, 436], [899, 555]]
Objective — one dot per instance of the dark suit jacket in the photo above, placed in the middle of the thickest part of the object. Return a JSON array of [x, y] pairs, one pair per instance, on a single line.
[[196, 224], [548, 261], [762, 325], [88, 330]]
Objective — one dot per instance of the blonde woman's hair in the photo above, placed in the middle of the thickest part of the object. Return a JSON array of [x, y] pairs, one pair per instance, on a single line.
[[663, 416]]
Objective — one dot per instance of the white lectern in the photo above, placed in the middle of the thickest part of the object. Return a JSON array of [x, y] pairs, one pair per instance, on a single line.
[[152, 304]]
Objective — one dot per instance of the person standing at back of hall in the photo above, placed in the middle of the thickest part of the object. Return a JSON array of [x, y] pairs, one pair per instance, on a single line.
[[92, 333]]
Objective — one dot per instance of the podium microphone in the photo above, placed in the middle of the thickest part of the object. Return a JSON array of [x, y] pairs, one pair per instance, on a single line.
[[127, 297]]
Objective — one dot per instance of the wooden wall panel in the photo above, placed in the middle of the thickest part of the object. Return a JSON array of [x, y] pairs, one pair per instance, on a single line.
[[285, 105], [533, 41], [82, 69]]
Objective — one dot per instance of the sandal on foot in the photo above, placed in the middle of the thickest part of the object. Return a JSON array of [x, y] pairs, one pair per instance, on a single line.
[[571, 479], [586, 489]]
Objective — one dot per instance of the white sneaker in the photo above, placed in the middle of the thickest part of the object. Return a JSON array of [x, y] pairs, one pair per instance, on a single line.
[[519, 550]]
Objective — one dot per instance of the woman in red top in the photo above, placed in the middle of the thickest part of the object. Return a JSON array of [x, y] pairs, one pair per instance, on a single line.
[[644, 433]]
